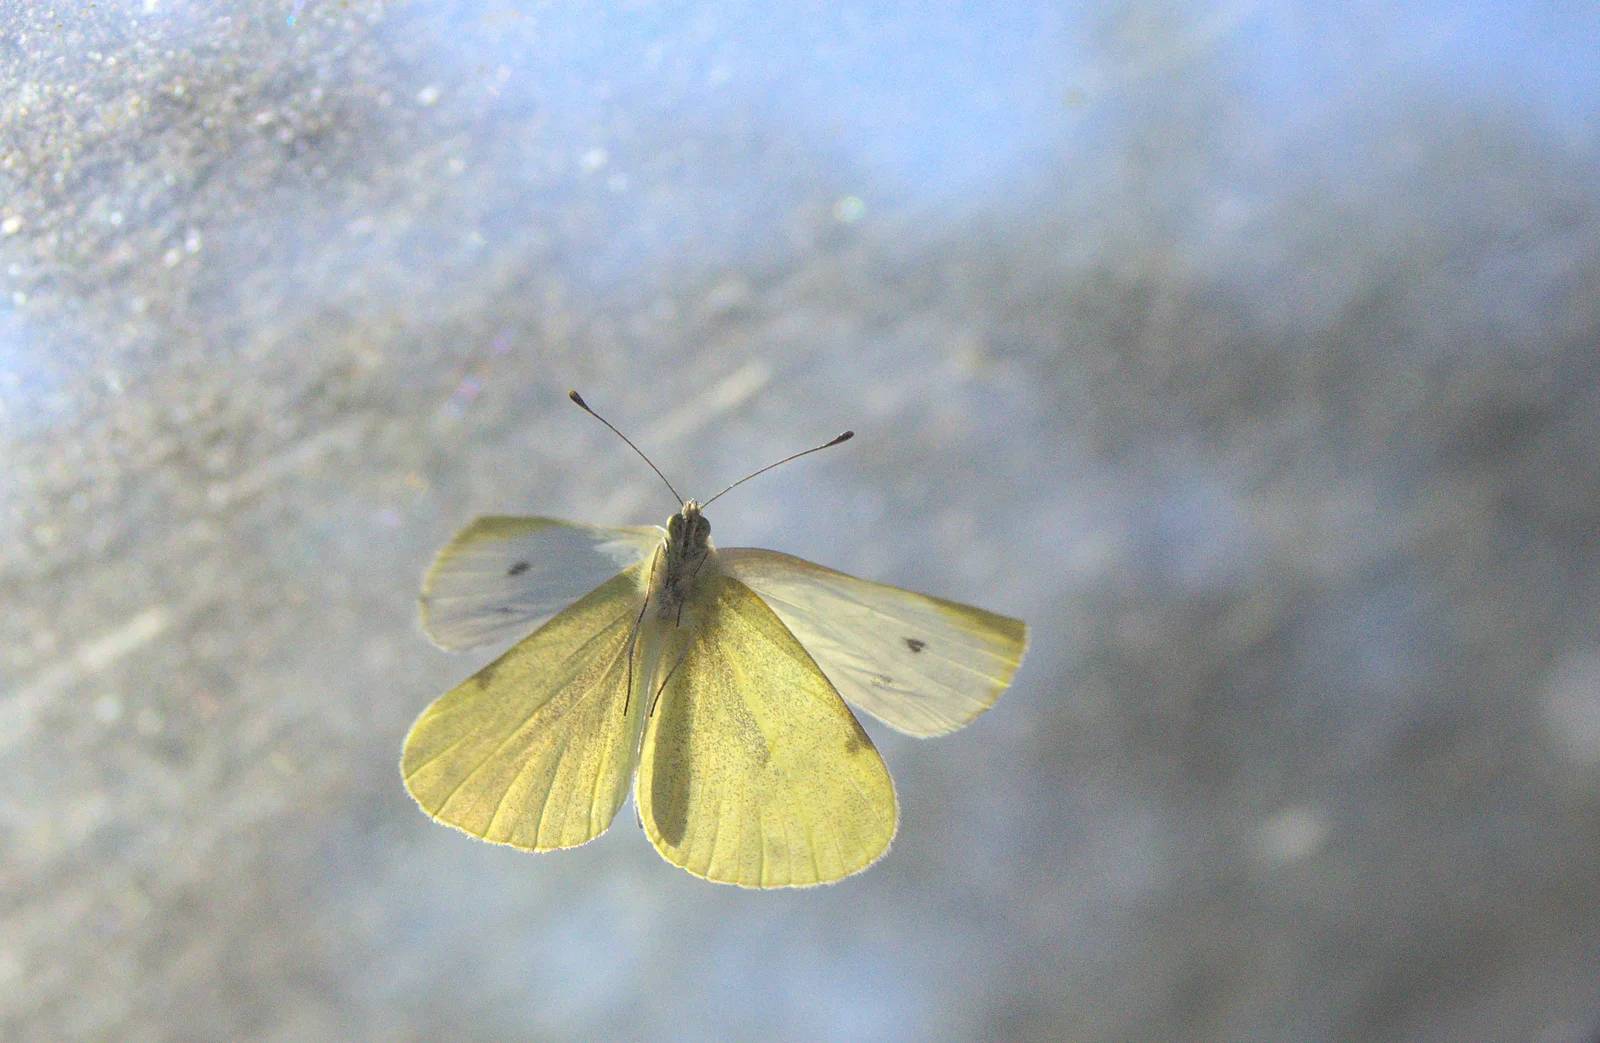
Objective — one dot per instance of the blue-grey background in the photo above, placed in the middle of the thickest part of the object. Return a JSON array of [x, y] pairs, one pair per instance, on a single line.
[[1247, 350]]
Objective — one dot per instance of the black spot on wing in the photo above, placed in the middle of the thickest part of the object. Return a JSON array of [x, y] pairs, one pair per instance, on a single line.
[[518, 569], [915, 644]]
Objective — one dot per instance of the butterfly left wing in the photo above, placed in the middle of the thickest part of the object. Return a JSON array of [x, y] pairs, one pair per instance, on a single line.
[[537, 749], [921, 665], [753, 771], [501, 575]]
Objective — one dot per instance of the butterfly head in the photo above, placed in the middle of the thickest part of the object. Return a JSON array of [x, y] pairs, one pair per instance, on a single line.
[[689, 530]]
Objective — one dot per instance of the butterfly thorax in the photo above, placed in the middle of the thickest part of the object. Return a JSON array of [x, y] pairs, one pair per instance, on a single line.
[[682, 560]]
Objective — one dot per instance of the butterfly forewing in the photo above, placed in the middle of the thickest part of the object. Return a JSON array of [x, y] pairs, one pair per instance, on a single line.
[[502, 575], [535, 750], [753, 771], [921, 665]]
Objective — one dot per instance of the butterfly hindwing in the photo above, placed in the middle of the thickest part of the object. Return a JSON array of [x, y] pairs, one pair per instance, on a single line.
[[922, 665], [536, 750], [753, 771], [502, 575]]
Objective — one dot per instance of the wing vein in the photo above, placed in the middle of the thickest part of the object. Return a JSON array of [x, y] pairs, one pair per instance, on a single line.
[[599, 775], [526, 722]]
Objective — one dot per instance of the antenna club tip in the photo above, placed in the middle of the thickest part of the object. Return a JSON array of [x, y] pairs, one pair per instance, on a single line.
[[843, 438], [578, 399]]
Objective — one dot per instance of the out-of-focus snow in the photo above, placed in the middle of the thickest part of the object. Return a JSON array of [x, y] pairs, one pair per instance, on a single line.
[[1247, 351]]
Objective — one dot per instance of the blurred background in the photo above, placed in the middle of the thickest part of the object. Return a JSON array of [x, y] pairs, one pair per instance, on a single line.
[[1246, 350]]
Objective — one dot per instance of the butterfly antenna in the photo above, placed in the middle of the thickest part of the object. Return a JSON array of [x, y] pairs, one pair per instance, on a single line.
[[585, 407], [814, 449]]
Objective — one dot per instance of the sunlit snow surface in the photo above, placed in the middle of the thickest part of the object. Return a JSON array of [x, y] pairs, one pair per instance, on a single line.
[[1248, 351]]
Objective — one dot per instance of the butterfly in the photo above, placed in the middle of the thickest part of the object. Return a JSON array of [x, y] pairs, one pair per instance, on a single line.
[[713, 682]]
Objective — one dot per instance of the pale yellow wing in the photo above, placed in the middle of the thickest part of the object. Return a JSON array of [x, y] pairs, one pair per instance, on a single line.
[[536, 750], [753, 770], [502, 575], [919, 664]]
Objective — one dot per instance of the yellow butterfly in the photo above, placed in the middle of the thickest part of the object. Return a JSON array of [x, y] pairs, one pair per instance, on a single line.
[[712, 676]]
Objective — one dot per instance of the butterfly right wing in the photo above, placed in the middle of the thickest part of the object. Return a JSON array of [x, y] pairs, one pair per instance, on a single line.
[[921, 665], [537, 749], [502, 575], [753, 771]]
